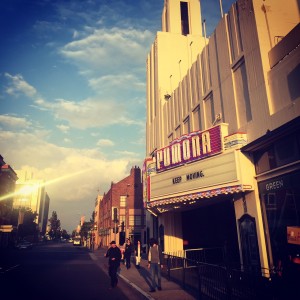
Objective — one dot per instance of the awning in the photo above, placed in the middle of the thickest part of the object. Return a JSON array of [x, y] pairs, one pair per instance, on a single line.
[[272, 136], [171, 203]]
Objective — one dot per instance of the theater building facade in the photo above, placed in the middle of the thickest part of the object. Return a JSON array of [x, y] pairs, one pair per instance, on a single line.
[[223, 132]]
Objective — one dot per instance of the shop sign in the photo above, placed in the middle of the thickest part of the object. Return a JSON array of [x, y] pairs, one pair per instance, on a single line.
[[187, 177], [273, 185], [235, 140], [289, 181], [191, 147]]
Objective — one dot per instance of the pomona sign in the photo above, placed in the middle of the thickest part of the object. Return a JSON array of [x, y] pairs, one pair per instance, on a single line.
[[188, 148]]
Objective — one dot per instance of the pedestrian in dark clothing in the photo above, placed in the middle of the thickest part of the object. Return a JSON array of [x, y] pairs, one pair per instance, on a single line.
[[155, 264], [127, 253], [114, 257]]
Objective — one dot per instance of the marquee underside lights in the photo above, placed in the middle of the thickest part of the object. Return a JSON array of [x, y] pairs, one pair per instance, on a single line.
[[192, 198]]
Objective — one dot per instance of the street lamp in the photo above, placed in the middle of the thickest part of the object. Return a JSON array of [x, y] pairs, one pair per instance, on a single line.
[[127, 211], [115, 219]]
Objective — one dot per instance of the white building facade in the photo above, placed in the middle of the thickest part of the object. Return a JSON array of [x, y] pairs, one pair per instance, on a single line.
[[223, 130]]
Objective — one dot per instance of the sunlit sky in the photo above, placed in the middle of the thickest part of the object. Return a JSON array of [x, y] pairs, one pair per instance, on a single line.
[[72, 92]]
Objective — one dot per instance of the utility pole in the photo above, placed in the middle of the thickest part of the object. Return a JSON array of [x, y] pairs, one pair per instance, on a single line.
[[115, 220]]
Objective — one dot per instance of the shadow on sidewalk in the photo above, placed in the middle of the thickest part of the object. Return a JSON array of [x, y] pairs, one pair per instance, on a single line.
[[143, 272]]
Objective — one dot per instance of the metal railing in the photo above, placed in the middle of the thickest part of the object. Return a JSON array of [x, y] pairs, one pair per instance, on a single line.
[[214, 255], [211, 281]]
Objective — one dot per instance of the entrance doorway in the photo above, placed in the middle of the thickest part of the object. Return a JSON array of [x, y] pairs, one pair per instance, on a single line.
[[212, 226]]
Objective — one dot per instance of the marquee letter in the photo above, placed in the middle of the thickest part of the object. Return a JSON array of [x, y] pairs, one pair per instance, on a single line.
[[186, 153], [159, 158], [196, 146], [206, 142], [176, 154], [167, 156]]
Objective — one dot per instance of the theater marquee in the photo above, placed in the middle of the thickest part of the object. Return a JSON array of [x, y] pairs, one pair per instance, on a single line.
[[197, 166], [198, 176], [191, 147]]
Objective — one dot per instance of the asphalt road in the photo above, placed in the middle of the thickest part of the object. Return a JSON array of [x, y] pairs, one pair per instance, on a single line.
[[57, 271]]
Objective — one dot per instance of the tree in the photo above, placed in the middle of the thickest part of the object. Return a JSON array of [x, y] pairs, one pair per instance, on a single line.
[[85, 229], [54, 224], [64, 234]]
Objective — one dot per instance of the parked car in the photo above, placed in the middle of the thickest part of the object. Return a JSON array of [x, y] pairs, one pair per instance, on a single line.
[[24, 245]]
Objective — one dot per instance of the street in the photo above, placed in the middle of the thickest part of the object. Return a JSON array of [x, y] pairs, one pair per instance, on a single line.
[[57, 271]]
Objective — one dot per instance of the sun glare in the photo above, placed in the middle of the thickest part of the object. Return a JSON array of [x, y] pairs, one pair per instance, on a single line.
[[28, 189]]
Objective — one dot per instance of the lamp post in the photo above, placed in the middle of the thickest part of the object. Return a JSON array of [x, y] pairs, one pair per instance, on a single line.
[[127, 211], [115, 220]]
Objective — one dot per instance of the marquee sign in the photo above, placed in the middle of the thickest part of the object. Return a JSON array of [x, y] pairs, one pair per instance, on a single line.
[[191, 147]]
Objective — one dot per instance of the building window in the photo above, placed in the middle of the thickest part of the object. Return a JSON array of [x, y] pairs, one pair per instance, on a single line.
[[242, 94], [197, 119], [209, 110], [184, 18], [178, 132], [186, 126], [122, 219], [281, 210], [123, 201], [280, 153], [135, 221]]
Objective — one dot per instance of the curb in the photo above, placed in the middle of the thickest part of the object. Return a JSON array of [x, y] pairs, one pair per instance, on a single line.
[[94, 257]]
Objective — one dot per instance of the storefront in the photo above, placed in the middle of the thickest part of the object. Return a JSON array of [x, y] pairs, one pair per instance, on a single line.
[[280, 198], [277, 162]]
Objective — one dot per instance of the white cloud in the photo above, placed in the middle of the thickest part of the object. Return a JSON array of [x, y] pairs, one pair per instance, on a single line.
[[112, 84], [19, 85], [14, 122], [89, 113], [63, 128], [126, 153], [105, 142], [75, 34], [109, 50]]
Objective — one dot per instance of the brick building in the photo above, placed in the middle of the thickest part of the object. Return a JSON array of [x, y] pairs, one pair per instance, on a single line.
[[121, 211]]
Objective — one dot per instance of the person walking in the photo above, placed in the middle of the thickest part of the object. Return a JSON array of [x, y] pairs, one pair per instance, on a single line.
[[127, 253], [122, 248], [114, 257], [155, 264], [138, 254]]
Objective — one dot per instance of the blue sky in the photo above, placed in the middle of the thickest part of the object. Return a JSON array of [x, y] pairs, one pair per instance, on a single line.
[[72, 92]]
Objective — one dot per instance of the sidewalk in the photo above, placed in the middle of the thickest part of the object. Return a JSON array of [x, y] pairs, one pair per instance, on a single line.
[[140, 279]]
